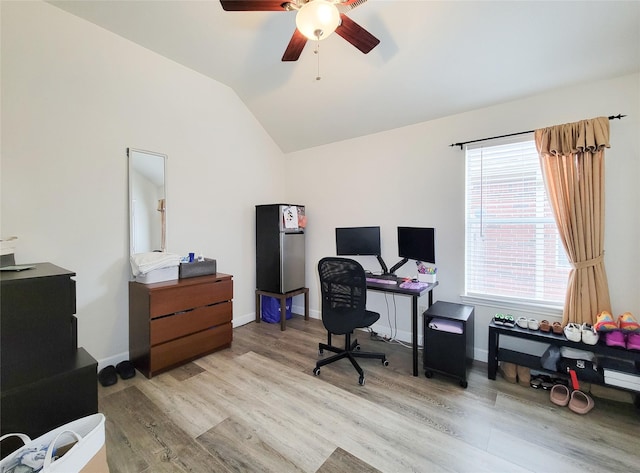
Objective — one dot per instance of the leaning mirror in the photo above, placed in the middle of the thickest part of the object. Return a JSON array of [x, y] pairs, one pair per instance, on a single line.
[[147, 201]]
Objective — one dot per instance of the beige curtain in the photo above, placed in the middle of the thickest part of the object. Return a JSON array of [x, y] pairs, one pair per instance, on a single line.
[[572, 161]]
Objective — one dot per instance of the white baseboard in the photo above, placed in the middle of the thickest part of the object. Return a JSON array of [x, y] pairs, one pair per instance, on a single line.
[[243, 320], [113, 360]]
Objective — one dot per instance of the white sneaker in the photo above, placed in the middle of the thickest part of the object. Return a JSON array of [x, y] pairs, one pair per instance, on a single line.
[[573, 332], [589, 334]]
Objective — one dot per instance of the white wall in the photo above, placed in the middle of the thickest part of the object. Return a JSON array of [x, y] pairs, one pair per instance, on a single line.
[[74, 97], [410, 176]]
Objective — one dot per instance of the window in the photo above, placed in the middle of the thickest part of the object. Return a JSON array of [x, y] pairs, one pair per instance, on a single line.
[[512, 246]]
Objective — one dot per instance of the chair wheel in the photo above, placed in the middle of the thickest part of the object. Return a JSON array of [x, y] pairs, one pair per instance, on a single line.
[[361, 380], [385, 363], [428, 374], [463, 384], [316, 371], [357, 348]]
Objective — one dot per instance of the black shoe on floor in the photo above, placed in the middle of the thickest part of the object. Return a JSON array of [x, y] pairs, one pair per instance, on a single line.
[[107, 376], [126, 369]]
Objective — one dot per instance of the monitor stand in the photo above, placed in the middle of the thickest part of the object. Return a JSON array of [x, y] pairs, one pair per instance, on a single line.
[[386, 274], [382, 265], [398, 265]]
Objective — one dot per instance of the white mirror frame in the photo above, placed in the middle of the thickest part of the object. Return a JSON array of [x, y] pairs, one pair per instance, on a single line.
[[147, 201]]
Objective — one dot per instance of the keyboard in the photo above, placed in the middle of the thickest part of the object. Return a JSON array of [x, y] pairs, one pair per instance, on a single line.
[[382, 281]]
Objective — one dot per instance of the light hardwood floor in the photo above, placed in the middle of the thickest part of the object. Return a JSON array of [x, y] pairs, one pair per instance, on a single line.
[[257, 407]]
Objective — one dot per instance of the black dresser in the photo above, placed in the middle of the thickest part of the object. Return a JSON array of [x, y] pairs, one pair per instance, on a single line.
[[45, 379]]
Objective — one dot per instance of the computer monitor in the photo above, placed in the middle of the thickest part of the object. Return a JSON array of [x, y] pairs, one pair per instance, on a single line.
[[360, 241], [353, 241], [416, 243]]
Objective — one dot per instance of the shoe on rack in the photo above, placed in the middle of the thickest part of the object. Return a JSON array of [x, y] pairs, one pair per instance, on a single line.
[[533, 324], [522, 322], [545, 326], [572, 332], [509, 320], [633, 341], [589, 334], [557, 328], [498, 319], [627, 323], [615, 339], [605, 322]]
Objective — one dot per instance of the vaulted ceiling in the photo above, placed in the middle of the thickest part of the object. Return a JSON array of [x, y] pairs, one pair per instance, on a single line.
[[435, 58]]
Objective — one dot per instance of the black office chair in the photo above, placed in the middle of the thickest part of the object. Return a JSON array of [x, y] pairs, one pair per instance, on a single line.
[[344, 296]]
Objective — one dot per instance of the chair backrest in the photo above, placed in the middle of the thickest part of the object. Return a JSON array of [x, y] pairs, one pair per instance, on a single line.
[[343, 288]]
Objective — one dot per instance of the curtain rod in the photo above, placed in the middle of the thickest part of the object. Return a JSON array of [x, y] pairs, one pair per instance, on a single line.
[[619, 117]]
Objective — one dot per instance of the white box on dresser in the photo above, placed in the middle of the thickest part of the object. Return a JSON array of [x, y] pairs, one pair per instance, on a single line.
[[158, 275]]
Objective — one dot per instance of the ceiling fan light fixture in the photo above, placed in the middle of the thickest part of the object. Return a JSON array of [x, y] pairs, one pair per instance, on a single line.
[[317, 19]]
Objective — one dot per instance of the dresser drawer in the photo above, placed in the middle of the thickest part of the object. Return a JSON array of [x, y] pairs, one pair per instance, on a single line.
[[187, 348], [180, 298], [181, 324]]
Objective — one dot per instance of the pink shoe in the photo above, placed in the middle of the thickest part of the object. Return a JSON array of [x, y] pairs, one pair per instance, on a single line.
[[605, 322], [615, 339], [633, 341], [627, 323]]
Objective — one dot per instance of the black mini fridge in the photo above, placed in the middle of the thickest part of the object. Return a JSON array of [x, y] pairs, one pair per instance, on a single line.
[[280, 247]]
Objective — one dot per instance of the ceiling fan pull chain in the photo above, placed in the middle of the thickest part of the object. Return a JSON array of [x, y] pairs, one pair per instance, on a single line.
[[317, 51]]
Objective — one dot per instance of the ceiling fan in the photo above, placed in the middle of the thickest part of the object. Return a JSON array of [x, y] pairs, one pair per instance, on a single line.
[[316, 20]]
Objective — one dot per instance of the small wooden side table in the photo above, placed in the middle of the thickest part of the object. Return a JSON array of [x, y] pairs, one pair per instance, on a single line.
[[283, 303]]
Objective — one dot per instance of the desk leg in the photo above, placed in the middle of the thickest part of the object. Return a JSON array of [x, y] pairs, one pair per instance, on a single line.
[[283, 312], [258, 308], [414, 332], [492, 362], [306, 304]]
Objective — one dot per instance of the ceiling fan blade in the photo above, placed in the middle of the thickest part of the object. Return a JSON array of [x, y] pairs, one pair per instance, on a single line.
[[356, 34], [295, 47], [252, 5]]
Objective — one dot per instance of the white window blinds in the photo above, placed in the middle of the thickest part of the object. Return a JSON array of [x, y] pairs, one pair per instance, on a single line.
[[512, 247]]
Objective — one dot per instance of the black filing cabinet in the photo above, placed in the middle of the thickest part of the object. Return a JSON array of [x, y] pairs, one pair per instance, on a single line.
[[448, 346]]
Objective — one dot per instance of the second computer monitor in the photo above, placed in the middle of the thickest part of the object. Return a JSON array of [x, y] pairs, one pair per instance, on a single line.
[[417, 243]]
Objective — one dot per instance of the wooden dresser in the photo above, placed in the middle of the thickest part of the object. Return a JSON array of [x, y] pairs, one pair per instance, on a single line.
[[173, 322]]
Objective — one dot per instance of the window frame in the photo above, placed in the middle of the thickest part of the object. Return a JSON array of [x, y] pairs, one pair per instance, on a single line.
[[510, 303]]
